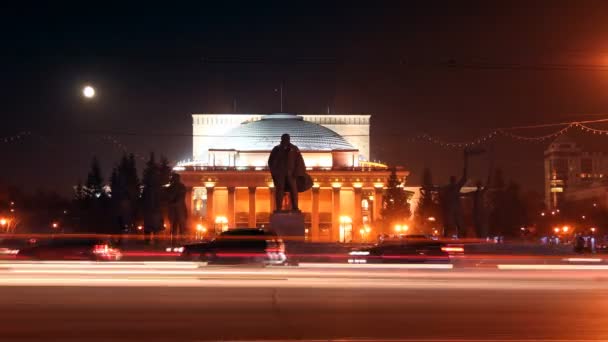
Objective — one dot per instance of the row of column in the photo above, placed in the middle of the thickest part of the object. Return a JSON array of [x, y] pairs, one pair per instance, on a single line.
[[314, 234]]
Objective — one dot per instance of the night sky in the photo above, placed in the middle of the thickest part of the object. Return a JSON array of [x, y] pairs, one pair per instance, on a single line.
[[452, 69]]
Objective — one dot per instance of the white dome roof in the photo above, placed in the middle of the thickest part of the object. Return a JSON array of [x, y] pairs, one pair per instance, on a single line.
[[264, 134]]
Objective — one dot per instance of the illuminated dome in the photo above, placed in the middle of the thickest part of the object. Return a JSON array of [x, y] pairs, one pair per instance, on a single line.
[[264, 134]]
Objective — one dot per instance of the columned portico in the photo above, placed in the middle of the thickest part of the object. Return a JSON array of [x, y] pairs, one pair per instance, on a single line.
[[335, 202]]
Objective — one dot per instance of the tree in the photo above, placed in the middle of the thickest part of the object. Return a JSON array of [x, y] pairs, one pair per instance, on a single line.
[[165, 171], [395, 206], [151, 196], [94, 184], [91, 202], [428, 203], [125, 192]]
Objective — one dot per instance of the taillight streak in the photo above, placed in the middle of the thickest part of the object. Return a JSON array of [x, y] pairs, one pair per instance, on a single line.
[[452, 249]]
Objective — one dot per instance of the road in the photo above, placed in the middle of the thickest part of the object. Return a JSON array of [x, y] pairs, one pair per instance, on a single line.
[[181, 302]]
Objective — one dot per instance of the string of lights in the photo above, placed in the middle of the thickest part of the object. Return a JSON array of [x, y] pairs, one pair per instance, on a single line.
[[122, 147], [586, 128], [15, 137], [508, 132]]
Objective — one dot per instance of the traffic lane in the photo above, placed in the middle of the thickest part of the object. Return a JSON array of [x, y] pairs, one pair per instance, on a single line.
[[177, 274], [160, 313]]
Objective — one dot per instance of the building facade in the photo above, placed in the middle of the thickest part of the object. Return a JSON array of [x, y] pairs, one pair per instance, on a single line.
[[573, 174], [230, 186]]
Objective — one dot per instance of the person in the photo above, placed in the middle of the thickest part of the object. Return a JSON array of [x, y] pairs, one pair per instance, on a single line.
[[286, 165], [449, 196]]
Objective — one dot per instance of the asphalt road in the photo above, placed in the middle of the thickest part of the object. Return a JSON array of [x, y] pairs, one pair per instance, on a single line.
[[303, 304]]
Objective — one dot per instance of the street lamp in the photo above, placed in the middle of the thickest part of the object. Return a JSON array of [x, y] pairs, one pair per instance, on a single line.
[[3, 221], [200, 231], [593, 229], [556, 230], [565, 229]]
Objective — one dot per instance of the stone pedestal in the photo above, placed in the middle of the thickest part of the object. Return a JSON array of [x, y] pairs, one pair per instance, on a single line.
[[289, 225]]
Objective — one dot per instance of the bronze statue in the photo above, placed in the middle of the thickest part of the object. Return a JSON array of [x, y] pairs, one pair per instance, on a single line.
[[178, 213], [288, 172], [449, 198]]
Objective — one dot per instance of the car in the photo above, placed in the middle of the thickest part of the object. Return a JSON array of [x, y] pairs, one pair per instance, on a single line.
[[416, 250], [193, 252], [10, 247], [239, 246], [72, 249]]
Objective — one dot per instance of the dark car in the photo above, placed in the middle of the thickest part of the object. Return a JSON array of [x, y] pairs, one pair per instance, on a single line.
[[10, 247], [239, 246], [412, 250], [71, 249], [194, 251]]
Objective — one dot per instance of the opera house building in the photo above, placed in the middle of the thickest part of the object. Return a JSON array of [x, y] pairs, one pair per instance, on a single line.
[[229, 184]]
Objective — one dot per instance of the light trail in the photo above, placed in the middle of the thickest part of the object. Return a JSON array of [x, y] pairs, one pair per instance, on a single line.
[[583, 259], [379, 266], [554, 267]]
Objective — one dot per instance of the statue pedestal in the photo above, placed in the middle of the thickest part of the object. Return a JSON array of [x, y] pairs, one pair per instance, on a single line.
[[289, 225]]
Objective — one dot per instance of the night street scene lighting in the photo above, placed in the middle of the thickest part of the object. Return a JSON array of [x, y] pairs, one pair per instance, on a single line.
[[413, 171]]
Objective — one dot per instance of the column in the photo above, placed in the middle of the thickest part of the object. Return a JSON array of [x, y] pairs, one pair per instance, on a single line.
[[358, 217], [210, 217], [271, 197], [378, 193], [252, 217], [231, 193], [335, 215], [314, 216]]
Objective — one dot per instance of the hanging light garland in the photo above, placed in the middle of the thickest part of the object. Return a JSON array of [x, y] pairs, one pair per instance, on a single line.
[[15, 137], [122, 146], [508, 132]]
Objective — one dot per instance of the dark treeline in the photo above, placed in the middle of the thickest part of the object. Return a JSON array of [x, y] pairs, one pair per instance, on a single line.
[[125, 201]]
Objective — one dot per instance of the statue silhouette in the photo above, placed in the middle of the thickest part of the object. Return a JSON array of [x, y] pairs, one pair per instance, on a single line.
[[288, 172], [178, 213], [449, 198]]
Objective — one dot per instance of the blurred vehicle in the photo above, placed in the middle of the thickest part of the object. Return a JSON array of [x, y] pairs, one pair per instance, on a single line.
[[410, 250], [239, 246], [192, 252], [10, 247], [72, 249]]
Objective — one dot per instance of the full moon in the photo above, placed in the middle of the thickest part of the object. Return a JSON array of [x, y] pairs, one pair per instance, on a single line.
[[88, 92]]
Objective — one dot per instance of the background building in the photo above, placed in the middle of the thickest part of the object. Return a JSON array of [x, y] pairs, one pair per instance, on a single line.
[[574, 174], [230, 186]]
